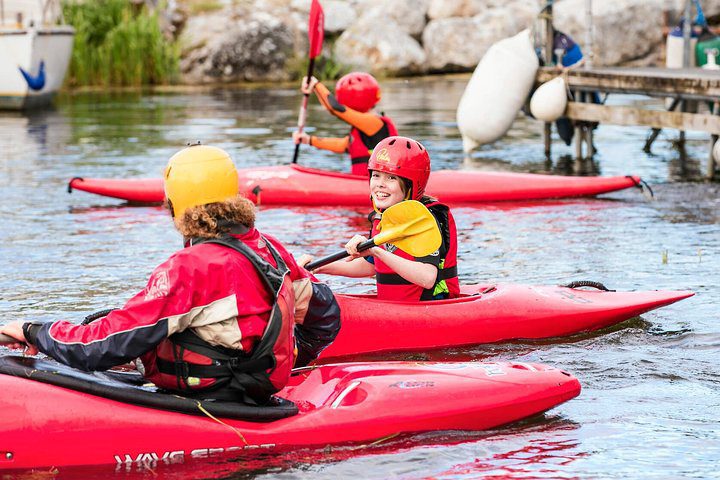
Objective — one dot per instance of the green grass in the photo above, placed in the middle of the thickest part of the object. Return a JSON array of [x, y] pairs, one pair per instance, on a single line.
[[117, 44]]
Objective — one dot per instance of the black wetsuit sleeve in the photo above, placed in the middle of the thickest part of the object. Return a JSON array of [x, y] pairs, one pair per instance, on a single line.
[[320, 326]]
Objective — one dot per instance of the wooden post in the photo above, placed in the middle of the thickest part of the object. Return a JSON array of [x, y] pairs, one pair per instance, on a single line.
[[656, 131], [579, 134], [711, 159], [713, 138], [549, 34], [549, 40], [590, 150], [547, 132], [687, 34], [589, 53], [579, 128]]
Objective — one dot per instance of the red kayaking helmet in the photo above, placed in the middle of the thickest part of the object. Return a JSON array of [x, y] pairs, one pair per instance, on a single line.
[[358, 90], [405, 158]]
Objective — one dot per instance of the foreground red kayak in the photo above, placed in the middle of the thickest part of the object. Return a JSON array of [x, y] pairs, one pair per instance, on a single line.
[[56, 416], [485, 314], [298, 185]]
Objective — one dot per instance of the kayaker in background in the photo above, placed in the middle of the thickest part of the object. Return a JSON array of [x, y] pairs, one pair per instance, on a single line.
[[399, 170], [216, 319], [355, 96]]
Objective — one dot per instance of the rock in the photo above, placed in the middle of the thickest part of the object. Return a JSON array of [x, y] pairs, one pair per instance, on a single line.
[[624, 30], [339, 15], [458, 44], [388, 49], [409, 15], [454, 44], [231, 46], [254, 39], [455, 8]]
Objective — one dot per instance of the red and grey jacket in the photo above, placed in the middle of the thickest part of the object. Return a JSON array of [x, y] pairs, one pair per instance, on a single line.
[[362, 145], [188, 363], [391, 286], [216, 294]]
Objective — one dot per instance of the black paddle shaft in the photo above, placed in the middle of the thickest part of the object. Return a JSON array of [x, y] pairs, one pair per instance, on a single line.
[[337, 256], [311, 67]]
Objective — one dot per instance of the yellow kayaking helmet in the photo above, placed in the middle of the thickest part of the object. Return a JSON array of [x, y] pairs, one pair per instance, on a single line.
[[198, 175]]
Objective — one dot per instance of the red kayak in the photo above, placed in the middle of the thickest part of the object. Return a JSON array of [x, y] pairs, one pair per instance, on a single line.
[[298, 185], [56, 416], [484, 314]]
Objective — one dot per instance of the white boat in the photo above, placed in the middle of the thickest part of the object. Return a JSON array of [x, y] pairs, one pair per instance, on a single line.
[[35, 50]]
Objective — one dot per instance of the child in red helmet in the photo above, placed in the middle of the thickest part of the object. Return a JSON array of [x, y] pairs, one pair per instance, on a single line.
[[355, 95], [399, 170]]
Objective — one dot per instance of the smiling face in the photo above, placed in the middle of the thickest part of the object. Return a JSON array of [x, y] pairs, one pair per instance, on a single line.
[[386, 189]]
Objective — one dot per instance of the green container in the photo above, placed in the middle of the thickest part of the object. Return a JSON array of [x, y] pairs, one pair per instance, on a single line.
[[707, 41]]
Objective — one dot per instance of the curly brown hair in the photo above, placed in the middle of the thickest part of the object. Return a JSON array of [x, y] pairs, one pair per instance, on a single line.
[[215, 219]]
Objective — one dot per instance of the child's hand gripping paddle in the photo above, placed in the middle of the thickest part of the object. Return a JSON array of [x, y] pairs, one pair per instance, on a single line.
[[408, 225]]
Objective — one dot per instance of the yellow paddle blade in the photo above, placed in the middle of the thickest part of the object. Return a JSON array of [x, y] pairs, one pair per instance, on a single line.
[[411, 227]]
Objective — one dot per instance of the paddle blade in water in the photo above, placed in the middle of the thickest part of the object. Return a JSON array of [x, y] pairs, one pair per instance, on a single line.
[[316, 29], [411, 227]]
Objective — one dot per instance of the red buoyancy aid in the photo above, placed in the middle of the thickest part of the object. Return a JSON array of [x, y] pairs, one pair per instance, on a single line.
[[189, 364], [361, 145], [391, 286]]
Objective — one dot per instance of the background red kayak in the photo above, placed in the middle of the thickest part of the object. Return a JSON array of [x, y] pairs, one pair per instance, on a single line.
[[298, 185]]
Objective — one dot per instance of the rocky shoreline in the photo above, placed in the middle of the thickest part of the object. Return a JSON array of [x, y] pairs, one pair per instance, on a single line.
[[265, 40]]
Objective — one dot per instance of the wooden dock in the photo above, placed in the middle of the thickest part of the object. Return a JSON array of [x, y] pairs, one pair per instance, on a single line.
[[685, 86]]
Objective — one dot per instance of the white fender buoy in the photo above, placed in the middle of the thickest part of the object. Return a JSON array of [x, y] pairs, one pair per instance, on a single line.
[[497, 90], [716, 150], [549, 101]]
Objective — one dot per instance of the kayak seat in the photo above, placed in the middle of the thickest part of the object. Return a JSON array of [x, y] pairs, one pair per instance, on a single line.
[[129, 387]]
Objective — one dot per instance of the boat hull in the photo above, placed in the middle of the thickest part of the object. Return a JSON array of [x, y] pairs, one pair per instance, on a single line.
[[48, 425], [298, 185], [485, 314], [27, 48]]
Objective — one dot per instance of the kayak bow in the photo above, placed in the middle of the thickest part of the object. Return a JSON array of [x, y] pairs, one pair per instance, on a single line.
[[484, 314]]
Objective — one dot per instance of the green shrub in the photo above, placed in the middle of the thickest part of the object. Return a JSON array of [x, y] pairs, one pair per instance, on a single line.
[[117, 44]]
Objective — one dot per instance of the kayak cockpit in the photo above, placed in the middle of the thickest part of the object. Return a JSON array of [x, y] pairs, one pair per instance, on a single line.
[[128, 387], [468, 293]]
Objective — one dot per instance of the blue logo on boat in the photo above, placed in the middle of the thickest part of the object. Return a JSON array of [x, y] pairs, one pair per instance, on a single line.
[[36, 82]]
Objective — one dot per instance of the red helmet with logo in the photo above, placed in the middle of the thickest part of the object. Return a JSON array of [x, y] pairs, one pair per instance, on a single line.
[[405, 158], [358, 90]]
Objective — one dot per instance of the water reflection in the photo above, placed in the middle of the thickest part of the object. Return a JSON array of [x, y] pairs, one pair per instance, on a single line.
[[544, 450], [648, 384]]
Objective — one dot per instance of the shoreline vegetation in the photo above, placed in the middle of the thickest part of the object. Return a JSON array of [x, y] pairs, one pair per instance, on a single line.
[[119, 43]]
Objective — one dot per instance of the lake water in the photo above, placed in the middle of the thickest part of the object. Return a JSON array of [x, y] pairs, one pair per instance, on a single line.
[[650, 405]]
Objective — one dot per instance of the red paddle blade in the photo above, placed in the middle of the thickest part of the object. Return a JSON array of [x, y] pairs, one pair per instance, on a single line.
[[316, 29]]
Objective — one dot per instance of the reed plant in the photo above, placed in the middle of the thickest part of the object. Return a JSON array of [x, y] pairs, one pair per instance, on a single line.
[[118, 44]]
